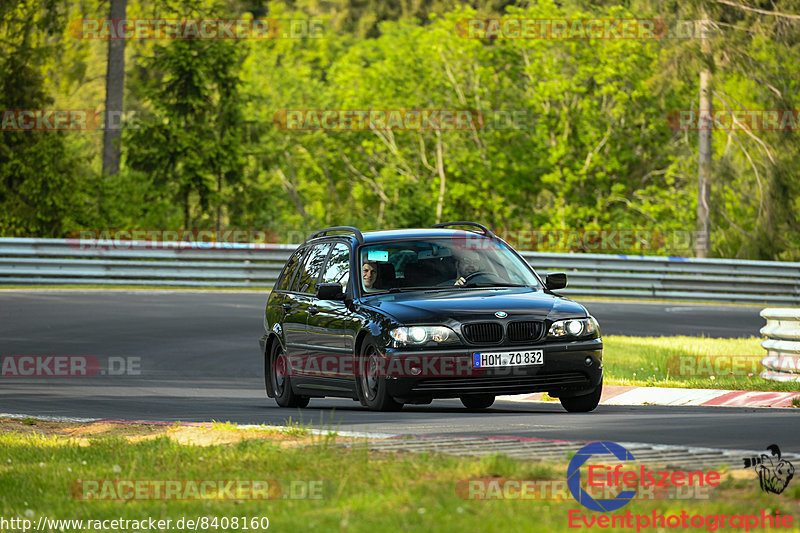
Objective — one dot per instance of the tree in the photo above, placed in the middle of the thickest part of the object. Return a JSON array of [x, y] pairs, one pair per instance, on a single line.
[[38, 196], [740, 58], [190, 141]]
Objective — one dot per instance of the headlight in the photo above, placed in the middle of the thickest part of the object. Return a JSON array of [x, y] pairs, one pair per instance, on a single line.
[[574, 328], [422, 335]]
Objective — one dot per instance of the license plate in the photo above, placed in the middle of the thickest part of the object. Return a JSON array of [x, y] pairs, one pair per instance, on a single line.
[[494, 359]]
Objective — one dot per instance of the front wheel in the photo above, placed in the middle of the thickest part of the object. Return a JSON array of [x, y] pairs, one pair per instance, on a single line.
[[277, 372], [372, 381], [480, 401], [583, 404]]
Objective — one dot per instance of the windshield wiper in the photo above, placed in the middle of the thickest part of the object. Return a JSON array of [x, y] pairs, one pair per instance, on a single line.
[[407, 289], [487, 284], [395, 290]]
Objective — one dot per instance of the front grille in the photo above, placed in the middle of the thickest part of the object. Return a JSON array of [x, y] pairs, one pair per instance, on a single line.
[[483, 332], [524, 331]]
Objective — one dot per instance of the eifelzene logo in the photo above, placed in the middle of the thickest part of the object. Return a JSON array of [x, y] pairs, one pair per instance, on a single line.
[[618, 477]]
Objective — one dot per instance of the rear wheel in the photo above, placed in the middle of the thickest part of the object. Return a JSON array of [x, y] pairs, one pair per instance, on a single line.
[[373, 383], [583, 404], [278, 374], [480, 401]]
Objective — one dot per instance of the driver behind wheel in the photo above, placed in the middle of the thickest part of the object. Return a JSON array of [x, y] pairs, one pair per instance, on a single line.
[[369, 274], [468, 262]]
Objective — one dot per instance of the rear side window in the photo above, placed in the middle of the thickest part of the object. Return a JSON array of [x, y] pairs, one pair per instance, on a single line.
[[289, 270], [306, 278], [338, 268]]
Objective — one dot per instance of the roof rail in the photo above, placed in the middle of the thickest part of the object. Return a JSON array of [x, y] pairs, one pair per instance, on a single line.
[[323, 232], [486, 231]]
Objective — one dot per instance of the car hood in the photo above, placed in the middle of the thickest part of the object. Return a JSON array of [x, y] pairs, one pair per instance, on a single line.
[[435, 306]]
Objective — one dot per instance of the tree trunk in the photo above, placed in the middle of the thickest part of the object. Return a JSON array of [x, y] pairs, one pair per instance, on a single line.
[[705, 130], [115, 86], [442, 177], [186, 220], [219, 200]]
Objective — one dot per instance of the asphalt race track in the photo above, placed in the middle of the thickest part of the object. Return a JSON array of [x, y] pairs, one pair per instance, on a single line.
[[197, 358]]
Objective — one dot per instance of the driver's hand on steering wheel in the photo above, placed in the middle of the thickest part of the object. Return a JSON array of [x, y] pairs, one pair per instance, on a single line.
[[466, 268]]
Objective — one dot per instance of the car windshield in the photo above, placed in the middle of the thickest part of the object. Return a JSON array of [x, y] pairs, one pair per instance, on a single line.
[[442, 264]]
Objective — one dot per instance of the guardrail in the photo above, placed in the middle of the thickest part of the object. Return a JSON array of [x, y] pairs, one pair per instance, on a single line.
[[782, 362], [189, 264], [255, 265], [674, 278]]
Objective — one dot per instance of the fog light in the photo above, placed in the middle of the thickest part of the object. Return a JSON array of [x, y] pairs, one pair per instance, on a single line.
[[588, 361]]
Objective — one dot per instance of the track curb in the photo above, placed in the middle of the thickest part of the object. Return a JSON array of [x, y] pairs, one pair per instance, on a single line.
[[630, 395]]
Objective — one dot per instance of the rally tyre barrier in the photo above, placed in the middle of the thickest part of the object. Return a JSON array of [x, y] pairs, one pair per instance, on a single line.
[[782, 330]]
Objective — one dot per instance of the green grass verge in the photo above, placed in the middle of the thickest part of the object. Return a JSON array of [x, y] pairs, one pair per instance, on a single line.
[[692, 362], [360, 490]]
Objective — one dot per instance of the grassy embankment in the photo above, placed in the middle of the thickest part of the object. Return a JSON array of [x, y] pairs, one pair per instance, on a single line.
[[691, 362], [358, 490]]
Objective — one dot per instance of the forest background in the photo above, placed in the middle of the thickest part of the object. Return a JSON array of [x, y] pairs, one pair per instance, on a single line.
[[575, 134]]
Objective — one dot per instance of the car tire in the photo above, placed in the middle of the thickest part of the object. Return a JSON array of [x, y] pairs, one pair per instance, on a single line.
[[275, 375], [480, 401], [583, 404], [373, 386]]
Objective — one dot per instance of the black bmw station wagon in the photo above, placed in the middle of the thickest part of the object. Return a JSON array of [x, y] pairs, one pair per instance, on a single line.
[[399, 317]]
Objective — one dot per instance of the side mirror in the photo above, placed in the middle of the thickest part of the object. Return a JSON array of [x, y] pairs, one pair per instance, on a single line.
[[330, 291], [557, 280]]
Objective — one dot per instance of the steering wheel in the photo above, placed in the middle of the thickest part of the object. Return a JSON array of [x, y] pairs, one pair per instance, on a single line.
[[470, 277]]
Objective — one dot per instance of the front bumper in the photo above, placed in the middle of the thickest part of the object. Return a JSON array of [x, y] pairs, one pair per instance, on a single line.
[[569, 369]]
